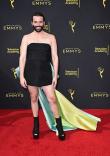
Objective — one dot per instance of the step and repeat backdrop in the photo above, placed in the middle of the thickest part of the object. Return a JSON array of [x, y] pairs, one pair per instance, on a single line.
[[82, 31]]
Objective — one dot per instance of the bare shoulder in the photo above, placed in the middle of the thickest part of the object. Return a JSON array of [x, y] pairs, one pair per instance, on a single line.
[[51, 36], [25, 37], [53, 39]]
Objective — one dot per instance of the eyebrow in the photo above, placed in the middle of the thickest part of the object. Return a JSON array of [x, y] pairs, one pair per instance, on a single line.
[[38, 21]]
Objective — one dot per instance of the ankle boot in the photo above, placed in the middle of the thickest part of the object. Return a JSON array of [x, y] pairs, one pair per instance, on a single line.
[[36, 128], [59, 129]]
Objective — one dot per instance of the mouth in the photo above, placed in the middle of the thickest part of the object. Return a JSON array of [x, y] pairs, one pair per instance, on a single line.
[[38, 27]]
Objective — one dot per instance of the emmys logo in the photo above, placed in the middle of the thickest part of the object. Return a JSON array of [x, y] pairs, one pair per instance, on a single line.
[[71, 50], [15, 74], [72, 25], [101, 71], [104, 3], [102, 50], [99, 94], [101, 26], [47, 27], [13, 50], [12, 27], [71, 93], [72, 72], [77, 2], [14, 95], [12, 1], [41, 2]]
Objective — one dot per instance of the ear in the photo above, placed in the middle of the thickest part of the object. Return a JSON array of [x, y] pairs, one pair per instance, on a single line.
[[31, 23]]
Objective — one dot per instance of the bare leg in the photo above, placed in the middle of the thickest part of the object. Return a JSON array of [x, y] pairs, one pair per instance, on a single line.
[[49, 92], [34, 99]]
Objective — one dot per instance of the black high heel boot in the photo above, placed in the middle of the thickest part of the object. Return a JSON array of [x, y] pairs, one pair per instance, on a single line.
[[59, 129], [36, 128]]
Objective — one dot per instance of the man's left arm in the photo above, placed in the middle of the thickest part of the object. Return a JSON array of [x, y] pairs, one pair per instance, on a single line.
[[54, 59]]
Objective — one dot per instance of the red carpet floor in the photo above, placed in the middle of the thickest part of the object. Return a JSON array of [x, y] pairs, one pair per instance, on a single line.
[[16, 136]]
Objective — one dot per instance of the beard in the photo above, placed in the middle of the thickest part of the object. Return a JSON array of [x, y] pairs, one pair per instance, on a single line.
[[38, 30]]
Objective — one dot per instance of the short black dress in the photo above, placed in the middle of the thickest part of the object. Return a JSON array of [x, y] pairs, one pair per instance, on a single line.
[[37, 70]]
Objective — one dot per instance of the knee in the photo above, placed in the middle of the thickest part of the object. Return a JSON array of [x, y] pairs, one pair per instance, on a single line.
[[34, 98], [52, 99]]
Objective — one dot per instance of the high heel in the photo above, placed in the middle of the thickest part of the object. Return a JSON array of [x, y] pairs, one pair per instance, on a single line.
[[59, 129], [36, 128]]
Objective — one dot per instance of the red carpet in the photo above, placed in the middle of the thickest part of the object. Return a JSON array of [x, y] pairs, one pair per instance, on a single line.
[[16, 136]]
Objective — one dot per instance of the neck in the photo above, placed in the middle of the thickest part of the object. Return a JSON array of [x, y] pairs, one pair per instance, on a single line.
[[38, 33]]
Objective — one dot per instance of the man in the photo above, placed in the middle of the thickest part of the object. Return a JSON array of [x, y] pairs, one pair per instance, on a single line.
[[39, 36]]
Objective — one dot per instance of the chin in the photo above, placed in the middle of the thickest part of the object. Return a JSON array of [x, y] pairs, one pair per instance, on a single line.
[[38, 31]]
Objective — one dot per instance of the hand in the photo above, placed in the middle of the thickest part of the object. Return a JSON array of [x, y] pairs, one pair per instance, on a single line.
[[54, 82], [23, 82]]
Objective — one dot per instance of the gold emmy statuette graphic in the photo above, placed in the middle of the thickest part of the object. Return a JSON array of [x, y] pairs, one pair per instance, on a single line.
[[47, 27], [101, 71], [71, 93], [72, 25], [15, 74], [12, 1], [104, 3]]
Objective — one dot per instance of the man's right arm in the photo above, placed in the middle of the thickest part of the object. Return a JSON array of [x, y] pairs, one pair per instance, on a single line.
[[22, 60]]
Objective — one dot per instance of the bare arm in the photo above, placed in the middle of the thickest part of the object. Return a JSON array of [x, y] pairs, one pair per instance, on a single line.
[[22, 60], [54, 58]]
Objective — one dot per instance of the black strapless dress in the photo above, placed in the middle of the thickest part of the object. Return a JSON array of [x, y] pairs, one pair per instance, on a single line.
[[37, 70]]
